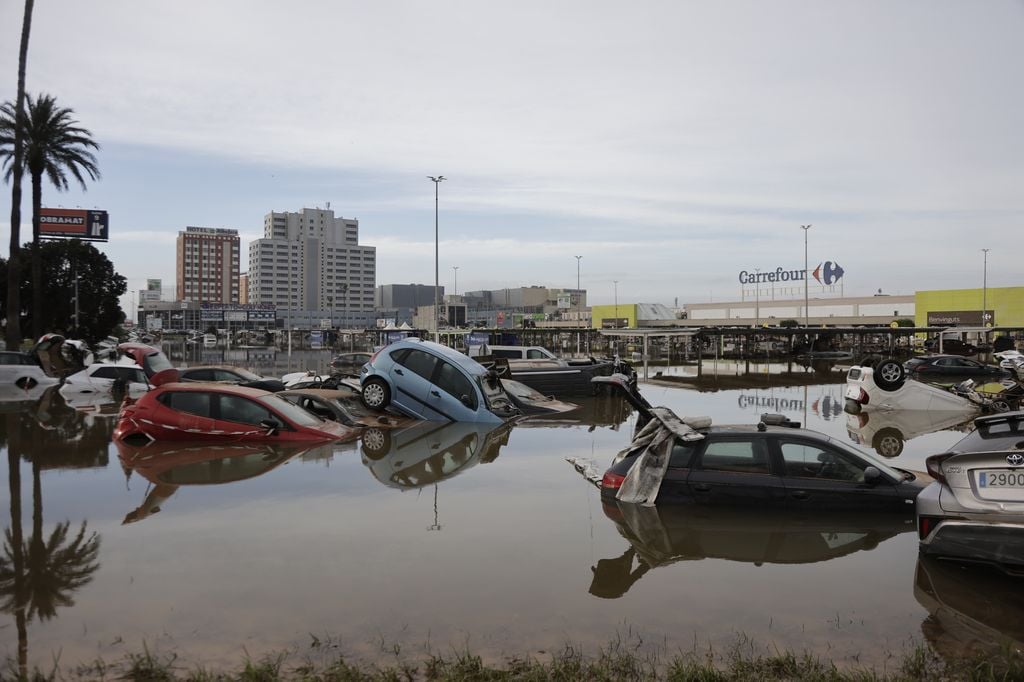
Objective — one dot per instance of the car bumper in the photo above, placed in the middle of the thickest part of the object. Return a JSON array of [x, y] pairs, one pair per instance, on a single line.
[[957, 533]]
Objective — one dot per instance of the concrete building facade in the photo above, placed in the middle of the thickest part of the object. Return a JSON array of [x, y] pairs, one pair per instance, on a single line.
[[312, 261], [207, 265]]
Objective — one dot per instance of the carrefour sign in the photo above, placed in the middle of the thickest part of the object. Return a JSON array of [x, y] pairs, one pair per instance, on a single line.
[[826, 273]]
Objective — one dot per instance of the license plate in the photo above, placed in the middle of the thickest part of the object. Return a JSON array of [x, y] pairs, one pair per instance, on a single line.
[[1000, 478]]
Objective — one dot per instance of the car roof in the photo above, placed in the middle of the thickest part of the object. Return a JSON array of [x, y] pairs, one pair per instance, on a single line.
[[994, 432], [214, 387], [228, 367], [464, 361], [325, 393]]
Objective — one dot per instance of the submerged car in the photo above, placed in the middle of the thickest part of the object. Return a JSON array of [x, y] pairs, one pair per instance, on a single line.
[[974, 511], [231, 375], [772, 464], [344, 407], [22, 371], [886, 387], [434, 382], [106, 378], [886, 431], [224, 412]]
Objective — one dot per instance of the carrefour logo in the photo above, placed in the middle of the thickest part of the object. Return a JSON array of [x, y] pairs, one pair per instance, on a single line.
[[828, 273]]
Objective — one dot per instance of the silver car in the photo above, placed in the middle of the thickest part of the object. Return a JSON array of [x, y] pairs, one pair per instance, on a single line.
[[974, 511]]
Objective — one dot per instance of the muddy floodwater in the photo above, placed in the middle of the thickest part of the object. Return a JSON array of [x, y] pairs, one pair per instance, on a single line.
[[456, 537]]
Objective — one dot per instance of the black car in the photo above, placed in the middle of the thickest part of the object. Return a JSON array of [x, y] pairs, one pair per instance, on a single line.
[[231, 375], [773, 464], [951, 346], [952, 366]]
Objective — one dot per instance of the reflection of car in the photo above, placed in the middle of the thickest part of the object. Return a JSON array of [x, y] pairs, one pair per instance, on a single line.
[[198, 411], [767, 466], [231, 375], [974, 510], [434, 382], [168, 465], [22, 371], [885, 387], [951, 346], [659, 536], [887, 430], [349, 361], [937, 367], [971, 609], [427, 452], [105, 378]]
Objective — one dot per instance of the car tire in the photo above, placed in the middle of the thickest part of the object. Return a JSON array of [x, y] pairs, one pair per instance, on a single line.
[[376, 443], [889, 375], [376, 395], [1001, 405], [888, 442], [26, 383]]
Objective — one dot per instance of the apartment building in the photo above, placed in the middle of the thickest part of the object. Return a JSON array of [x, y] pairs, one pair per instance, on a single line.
[[207, 265], [312, 261]]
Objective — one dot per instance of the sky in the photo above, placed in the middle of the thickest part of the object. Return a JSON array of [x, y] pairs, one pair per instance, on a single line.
[[671, 144]]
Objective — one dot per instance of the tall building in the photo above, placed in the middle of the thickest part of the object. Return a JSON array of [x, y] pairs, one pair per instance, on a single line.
[[407, 295], [208, 265], [311, 260]]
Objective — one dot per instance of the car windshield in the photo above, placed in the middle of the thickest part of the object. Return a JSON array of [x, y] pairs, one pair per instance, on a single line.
[[294, 413], [870, 459]]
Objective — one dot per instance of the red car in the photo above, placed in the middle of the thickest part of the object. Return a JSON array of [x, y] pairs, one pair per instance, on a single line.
[[219, 412]]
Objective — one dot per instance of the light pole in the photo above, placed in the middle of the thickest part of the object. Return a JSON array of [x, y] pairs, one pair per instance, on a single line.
[[456, 282], [579, 306], [616, 283], [757, 298], [984, 291], [806, 298], [437, 180]]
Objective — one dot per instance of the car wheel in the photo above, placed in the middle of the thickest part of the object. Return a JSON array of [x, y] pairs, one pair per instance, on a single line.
[[25, 383], [888, 442], [376, 394], [889, 375], [376, 443], [1000, 405]]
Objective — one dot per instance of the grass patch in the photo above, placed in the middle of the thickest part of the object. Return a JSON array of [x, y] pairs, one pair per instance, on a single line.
[[615, 662]]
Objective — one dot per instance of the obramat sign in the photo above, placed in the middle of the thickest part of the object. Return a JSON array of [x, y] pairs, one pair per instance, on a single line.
[[73, 223], [826, 273]]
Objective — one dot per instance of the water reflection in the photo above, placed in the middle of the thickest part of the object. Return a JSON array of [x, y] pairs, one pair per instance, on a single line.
[[429, 452], [169, 465], [887, 431], [608, 409], [659, 536], [972, 610]]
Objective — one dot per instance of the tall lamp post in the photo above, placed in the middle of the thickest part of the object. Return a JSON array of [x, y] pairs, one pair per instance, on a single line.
[[757, 299], [437, 180], [806, 297], [579, 307], [984, 291], [616, 283], [455, 268]]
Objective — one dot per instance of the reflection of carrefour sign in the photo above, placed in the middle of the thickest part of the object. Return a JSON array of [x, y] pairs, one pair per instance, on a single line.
[[770, 403], [826, 273]]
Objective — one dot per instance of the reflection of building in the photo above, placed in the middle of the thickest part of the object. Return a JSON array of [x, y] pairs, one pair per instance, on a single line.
[[312, 261], [207, 265]]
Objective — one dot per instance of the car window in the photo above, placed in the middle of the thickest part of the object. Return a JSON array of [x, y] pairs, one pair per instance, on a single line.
[[420, 363], [454, 382], [198, 374], [747, 456], [682, 454], [133, 374], [156, 362], [809, 460], [399, 355], [105, 372], [235, 408], [535, 354], [510, 354], [191, 402], [224, 375], [292, 412], [944, 362]]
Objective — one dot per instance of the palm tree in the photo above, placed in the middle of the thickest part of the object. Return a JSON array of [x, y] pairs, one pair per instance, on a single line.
[[55, 146], [13, 332]]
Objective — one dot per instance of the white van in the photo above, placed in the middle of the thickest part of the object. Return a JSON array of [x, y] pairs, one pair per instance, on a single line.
[[513, 352]]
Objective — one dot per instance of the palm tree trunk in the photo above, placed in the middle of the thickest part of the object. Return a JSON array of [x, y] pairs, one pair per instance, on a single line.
[[13, 335], [37, 260], [17, 541]]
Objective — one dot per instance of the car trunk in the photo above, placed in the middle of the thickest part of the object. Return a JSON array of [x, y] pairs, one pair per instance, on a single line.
[[986, 481]]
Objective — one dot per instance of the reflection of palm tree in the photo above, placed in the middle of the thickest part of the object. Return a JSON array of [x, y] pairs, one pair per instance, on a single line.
[[40, 576]]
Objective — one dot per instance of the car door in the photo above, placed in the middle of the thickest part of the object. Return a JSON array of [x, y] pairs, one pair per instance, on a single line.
[[736, 470], [452, 396], [412, 375], [820, 476], [674, 488], [188, 411]]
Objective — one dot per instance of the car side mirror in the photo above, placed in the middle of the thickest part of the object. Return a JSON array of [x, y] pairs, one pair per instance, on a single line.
[[271, 425], [872, 475]]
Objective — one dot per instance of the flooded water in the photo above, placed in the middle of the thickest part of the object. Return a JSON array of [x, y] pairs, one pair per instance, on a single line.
[[453, 536]]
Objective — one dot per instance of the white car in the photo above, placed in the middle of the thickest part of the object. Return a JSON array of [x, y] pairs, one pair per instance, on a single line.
[[886, 387], [102, 377], [21, 371], [886, 431]]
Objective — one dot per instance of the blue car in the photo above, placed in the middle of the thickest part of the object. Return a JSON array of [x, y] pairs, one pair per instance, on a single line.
[[434, 382]]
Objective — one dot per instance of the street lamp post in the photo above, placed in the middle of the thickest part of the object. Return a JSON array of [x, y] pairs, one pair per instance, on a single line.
[[807, 323], [757, 299], [984, 291], [616, 283], [437, 180], [455, 283], [579, 307]]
